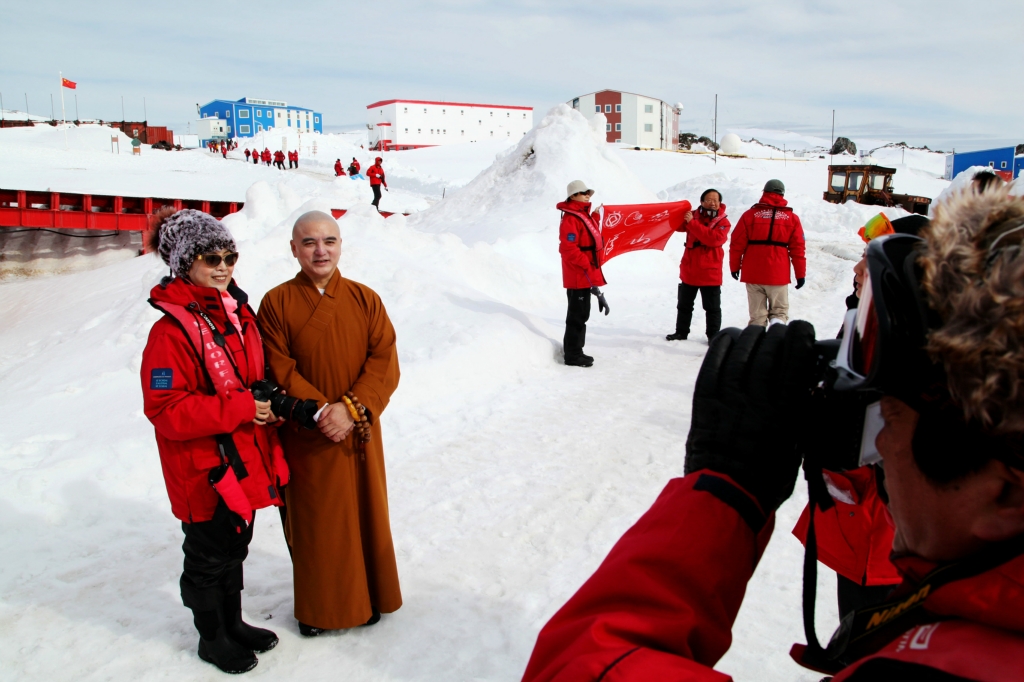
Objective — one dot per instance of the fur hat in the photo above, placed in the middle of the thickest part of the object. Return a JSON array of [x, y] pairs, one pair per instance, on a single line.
[[974, 279], [181, 236]]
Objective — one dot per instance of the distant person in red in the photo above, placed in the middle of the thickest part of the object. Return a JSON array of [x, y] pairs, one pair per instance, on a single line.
[[255, 157], [338, 170], [247, 155], [353, 168], [224, 149], [265, 156], [279, 159], [768, 237], [376, 175], [701, 267]]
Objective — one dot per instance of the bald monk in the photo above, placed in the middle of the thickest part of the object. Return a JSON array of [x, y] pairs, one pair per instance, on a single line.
[[326, 335]]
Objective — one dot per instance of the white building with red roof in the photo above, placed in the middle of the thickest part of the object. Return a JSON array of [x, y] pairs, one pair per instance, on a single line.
[[410, 123]]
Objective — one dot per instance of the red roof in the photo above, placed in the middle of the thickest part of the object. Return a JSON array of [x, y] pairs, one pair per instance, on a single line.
[[452, 104]]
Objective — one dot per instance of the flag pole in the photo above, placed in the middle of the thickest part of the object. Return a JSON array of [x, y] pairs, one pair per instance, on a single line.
[[64, 117]]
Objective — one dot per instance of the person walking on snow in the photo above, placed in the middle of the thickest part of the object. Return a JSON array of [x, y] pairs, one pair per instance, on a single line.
[[768, 236], [700, 270], [220, 459], [353, 170], [265, 156], [224, 150], [376, 175], [279, 159], [580, 245], [247, 155]]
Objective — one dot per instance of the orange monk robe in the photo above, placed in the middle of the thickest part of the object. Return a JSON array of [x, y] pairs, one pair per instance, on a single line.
[[337, 525]]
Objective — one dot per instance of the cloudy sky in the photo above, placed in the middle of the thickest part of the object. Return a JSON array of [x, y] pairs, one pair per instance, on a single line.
[[937, 72]]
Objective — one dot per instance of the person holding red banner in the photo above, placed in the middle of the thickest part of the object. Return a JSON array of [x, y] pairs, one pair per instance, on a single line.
[[579, 243], [768, 236], [700, 270]]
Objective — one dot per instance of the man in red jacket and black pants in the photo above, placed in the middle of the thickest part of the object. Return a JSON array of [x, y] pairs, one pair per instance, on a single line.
[[581, 246], [768, 236], [376, 175], [701, 267]]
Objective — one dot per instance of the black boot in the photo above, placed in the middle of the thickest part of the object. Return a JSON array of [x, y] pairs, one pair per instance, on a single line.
[[309, 630], [678, 336], [581, 360], [216, 647], [256, 639], [375, 618]]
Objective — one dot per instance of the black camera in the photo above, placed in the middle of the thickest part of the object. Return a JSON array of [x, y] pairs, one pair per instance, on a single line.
[[295, 409], [839, 426]]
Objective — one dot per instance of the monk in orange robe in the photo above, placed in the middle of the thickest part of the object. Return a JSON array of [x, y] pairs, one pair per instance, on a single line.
[[325, 336]]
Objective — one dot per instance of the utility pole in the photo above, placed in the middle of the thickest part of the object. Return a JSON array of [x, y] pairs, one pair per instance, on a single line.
[[52, 115], [2, 109], [26, 113], [833, 139], [784, 160], [714, 135], [145, 116], [122, 113], [76, 110]]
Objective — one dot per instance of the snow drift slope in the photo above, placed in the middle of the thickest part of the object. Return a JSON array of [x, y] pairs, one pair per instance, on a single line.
[[518, 193]]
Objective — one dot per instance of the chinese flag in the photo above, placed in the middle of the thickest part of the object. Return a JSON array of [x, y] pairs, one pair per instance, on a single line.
[[70, 85], [640, 226]]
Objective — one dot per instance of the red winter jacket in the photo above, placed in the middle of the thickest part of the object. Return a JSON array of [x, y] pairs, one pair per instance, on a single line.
[[337, 168], [186, 410], [265, 156], [767, 237], [376, 175], [662, 604], [701, 265], [353, 168], [854, 537], [279, 156], [580, 244]]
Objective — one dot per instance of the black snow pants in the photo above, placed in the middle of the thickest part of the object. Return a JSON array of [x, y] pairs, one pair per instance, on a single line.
[[214, 552], [576, 322], [710, 300], [376, 196]]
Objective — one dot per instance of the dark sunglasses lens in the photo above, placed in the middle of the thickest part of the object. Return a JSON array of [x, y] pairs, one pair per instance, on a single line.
[[231, 259]]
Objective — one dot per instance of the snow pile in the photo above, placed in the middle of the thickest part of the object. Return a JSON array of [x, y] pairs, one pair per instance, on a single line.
[[518, 193]]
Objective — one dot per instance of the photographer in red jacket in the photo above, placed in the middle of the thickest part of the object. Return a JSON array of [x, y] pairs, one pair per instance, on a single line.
[[580, 245], [700, 270], [940, 340], [220, 460], [768, 236]]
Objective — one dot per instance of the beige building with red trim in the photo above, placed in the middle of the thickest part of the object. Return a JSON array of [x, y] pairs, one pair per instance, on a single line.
[[409, 123]]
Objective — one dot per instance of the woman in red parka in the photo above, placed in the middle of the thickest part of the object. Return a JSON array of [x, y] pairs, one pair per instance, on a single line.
[[701, 267], [220, 459]]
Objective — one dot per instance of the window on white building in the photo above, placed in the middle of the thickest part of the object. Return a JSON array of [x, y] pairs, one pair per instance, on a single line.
[[425, 111], [492, 114], [648, 127], [243, 113], [618, 127], [243, 130], [461, 112], [648, 108], [418, 131], [442, 111], [607, 108], [462, 132], [618, 110], [524, 116], [508, 114], [406, 130]]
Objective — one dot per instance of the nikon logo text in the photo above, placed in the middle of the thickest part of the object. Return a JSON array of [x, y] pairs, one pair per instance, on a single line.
[[882, 617]]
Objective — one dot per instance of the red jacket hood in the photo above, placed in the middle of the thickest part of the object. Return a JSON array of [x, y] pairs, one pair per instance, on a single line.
[[774, 200], [574, 206], [994, 598]]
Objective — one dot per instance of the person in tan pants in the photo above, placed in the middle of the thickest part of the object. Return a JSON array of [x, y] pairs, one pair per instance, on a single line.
[[767, 238]]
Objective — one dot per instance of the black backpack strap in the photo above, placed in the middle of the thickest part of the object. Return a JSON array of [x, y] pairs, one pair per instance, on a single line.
[[771, 229]]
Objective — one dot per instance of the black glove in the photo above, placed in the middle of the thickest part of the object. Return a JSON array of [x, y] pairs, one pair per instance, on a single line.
[[800, 282], [602, 305], [750, 394], [735, 275]]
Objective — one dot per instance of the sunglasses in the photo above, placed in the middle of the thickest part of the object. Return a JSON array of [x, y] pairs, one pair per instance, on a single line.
[[213, 259]]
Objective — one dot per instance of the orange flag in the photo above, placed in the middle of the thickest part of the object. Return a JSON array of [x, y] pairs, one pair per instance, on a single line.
[[70, 85]]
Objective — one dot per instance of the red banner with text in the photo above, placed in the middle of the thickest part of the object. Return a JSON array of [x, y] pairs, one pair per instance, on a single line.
[[640, 226]]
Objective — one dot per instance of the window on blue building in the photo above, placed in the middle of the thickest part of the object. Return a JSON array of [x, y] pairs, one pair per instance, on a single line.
[[259, 114], [316, 119], [243, 130], [227, 114], [243, 113]]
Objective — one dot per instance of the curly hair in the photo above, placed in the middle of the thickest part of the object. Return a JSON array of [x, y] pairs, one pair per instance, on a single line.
[[973, 278]]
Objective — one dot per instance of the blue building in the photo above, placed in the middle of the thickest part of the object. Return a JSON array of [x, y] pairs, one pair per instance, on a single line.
[[248, 116], [1004, 160]]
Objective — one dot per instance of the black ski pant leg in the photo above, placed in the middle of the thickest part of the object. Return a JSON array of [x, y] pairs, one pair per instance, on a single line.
[[684, 307], [376, 196], [711, 301], [214, 552], [576, 322]]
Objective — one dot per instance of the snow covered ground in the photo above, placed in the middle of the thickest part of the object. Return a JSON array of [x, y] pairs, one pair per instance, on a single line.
[[510, 475]]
